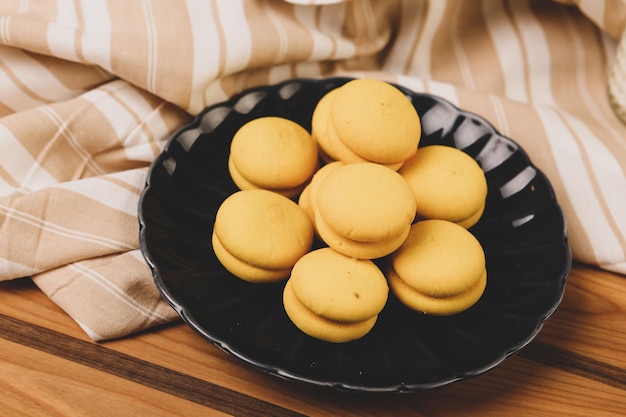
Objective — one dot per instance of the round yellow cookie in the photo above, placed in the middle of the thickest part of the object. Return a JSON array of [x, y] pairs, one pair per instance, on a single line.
[[272, 153], [331, 148], [376, 121], [447, 183], [366, 202], [335, 298], [338, 287], [262, 229], [439, 269]]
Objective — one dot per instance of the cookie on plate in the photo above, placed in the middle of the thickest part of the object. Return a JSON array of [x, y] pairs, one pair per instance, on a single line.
[[272, 153], [447, 183], [439, 269], [363, 210], [334, 298], [259, 235], [375, 121]]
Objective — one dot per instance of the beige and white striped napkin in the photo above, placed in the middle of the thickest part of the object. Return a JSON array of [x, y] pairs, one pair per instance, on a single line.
[[91, 91]]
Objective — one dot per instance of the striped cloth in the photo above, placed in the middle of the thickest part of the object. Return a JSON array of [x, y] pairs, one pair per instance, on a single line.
[[91, 90]]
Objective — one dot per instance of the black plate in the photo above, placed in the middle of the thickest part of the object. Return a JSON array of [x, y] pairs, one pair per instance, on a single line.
[[522, 231]]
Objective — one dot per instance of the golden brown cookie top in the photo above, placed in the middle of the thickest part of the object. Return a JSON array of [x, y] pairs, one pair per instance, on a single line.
[[448, 184], [439, 258], [263, 229], [365, 201], [274, 153], [375, 120], [337, 287]]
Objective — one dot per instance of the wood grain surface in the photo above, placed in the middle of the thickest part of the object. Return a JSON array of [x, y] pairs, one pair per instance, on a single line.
[[575, 367]]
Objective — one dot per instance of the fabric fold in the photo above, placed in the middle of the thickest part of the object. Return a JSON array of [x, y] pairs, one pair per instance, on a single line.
[[617, 80], [69, 222], [133, 302]]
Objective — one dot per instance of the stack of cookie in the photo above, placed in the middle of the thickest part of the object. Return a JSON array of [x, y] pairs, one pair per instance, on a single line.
[[366, 120], [259, 235], [362, 210], [333, 297], [272, 153]]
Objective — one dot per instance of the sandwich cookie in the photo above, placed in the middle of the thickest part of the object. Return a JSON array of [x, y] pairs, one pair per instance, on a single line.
[[334, 298], [363, 210], [272, 153], [447, 183], [439, 269], [259, 235], [366, 120], [375, 121]]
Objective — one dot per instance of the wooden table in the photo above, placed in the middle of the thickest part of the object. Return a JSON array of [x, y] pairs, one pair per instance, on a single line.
[[575, 367]]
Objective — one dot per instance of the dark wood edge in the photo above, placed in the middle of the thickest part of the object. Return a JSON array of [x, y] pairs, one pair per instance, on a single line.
[[151, 375]]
